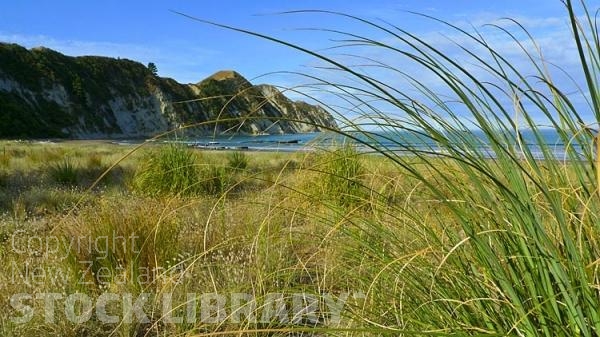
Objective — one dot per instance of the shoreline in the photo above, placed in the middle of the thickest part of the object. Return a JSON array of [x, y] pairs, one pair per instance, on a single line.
[[287, 143]]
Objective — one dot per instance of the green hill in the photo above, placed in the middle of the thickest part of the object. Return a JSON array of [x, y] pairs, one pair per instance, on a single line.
[[45, 94]]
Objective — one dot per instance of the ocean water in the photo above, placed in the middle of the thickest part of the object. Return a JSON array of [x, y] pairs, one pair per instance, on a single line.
[[283, 142], [398, 142]]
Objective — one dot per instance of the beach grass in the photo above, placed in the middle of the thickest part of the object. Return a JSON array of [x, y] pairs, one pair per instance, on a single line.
[[443, 240]]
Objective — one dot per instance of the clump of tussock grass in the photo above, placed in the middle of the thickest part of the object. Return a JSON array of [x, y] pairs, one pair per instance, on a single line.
[[214, 180], [138, 241], [341, 173], [173, 169], [177, 170], [64, 172], [237, 160]]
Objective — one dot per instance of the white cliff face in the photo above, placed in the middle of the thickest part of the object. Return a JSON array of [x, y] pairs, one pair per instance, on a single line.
[[269, 91], [298, 112], [9, 85], [56, 93], [133, 115], [165, 106], [139, 116]]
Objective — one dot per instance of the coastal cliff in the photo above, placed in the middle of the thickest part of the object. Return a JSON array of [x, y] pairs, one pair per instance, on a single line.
[[45, 94]]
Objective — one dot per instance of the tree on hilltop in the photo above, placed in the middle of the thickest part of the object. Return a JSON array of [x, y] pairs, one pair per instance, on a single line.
[[153, 69]]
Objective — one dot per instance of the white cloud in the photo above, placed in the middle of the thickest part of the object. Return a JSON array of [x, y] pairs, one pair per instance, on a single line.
[[551, 35]]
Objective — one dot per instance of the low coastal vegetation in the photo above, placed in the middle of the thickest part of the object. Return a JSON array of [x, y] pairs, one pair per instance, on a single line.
[[207, 221], [475, 233]]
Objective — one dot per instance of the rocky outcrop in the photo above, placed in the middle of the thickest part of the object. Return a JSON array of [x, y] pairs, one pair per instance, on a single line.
[[46, 94]]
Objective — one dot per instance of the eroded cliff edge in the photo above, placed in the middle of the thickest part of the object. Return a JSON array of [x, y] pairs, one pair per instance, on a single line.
[[45, 94]]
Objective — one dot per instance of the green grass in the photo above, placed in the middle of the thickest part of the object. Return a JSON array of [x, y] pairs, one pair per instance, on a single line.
[[171, 170], [505, 245], [492, 246], [453, 244], [177, 170], [63, 172], [142, 236], [237, 160], [343, 172]]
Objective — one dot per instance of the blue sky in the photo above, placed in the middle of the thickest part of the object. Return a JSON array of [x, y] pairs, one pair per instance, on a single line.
[[187, 50]]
